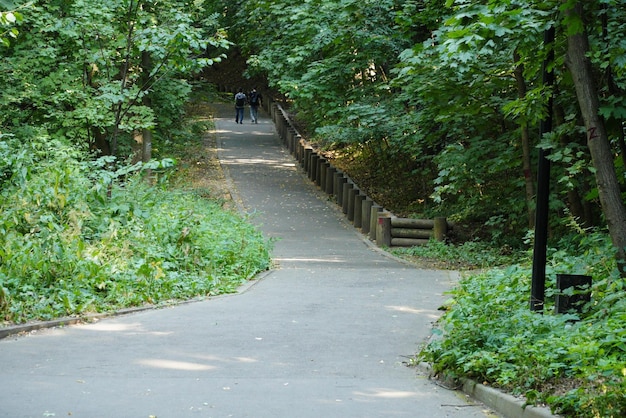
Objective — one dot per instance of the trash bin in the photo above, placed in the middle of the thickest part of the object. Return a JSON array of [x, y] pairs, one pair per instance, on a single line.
[[582, 292]]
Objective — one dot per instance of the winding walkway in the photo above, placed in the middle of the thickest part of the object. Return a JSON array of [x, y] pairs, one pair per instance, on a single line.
[[324, 334]]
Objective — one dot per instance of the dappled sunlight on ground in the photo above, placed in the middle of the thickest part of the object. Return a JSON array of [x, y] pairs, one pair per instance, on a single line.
[[260, 160], [311, 260], [257, 161], [112, 327], [219, 359], [175, 365], [200, 362], [255, 133], [132, 328], [387, 394], [409, 309]]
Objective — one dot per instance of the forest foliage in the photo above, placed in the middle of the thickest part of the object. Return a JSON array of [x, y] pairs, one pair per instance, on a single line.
[[447, 93], [451, 91], [88, 220], [79, 238]]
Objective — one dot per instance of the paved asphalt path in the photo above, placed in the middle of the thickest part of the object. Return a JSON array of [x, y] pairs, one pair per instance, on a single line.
[[324, 334]]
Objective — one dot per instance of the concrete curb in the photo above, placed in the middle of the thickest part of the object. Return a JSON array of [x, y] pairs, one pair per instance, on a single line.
[[505, 404], [63, 322]]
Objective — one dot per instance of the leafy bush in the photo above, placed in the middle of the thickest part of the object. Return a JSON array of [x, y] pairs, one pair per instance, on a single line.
[[77, 238], [573, 362]]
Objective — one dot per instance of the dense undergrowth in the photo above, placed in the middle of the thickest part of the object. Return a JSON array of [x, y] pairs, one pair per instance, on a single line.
[[78, 237], [470, 255], [575, 363]]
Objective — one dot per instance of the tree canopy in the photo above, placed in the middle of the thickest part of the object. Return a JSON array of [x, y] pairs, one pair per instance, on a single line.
[[83, 69], [453, 89], [444, 96], [449, 92]]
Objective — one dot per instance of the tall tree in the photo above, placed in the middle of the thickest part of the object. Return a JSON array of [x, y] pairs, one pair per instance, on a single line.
[[474, 86], [597, 138]]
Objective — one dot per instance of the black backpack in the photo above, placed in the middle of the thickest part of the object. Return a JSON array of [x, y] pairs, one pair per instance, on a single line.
[[240, 100], [254, 98]]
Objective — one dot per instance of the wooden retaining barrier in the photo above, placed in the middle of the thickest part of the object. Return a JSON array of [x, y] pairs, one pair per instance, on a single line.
[[378, 224]]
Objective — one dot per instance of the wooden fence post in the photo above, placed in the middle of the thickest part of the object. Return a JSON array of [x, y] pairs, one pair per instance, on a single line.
[[299, 152], [383, 230], [358, 210], [440, 228], [345, 195], [321, 172], [375, 209], [366, 210], [340, 179], [330, 179], [313, 165], [351, 198], [307, 159]]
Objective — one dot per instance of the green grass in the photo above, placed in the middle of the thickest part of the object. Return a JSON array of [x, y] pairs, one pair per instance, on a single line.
[[465, 256]]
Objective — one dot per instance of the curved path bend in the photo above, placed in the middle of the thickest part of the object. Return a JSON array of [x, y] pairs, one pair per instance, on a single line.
[[324, 334]]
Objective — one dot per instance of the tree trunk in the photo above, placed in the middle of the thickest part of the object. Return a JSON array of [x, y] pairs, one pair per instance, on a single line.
[[100, 142], [118, 109], [597, 140], [525, 138], [146, 66]]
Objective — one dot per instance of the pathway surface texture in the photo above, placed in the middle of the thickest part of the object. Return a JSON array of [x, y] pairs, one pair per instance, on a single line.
[[324, 334]]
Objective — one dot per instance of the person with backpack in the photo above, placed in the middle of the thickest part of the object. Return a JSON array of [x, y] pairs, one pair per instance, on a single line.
[[254, 98], [240, 103]]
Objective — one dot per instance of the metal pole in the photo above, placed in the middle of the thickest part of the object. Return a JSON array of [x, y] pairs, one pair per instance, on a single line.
[[538, 285]]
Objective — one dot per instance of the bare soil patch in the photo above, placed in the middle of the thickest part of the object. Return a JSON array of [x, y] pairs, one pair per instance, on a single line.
[[200, 168]]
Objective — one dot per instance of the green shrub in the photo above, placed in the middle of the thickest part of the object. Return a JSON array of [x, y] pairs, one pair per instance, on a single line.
[[78, 238], [573, 362]]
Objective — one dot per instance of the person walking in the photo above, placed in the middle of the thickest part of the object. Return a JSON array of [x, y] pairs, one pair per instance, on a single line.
[[240, 103], [254, 98]]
